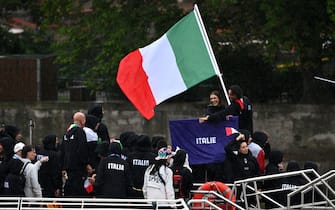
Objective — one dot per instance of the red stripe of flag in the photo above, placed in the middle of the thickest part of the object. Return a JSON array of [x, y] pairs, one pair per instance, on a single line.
[[133, 81]]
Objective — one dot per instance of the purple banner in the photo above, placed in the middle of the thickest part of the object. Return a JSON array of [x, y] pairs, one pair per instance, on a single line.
[[203, 142]]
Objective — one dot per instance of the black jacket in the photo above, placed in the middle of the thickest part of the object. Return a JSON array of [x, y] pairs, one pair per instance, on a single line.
[[140, 159], [186, 181], [8, 165], [49, 175], [275, 158], [74, 150], [113, 178], [241, 108], [102, 132], [243, 165], [213, 109], [138, 163], [9, 168]]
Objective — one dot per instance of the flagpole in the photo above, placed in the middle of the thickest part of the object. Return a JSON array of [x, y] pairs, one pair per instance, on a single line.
[[210, 50], [325, 80]]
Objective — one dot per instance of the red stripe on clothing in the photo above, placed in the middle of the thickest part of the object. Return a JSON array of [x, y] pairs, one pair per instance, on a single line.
[[240, 102]]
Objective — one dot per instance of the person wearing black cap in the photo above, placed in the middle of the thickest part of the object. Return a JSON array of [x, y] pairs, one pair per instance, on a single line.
[[138, 161], [102, 129], [112, 179]]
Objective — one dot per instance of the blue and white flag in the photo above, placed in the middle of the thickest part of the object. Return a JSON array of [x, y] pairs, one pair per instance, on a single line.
[[204, 142]]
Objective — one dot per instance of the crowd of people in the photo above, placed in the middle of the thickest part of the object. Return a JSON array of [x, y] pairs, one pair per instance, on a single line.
[[86, 162]]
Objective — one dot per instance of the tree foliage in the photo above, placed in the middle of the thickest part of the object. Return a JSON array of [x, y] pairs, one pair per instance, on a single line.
[[91, 43], [31, 41], [258, 34], [249, 38], [303, 28]]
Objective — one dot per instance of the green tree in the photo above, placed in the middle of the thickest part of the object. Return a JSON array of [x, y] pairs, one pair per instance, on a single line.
[[92, 39], [30, 41], [305, 27], [252, 34], [235, 31]]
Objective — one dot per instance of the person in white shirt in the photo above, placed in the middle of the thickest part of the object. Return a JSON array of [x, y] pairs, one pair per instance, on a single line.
[[158, 179], [32, 187]]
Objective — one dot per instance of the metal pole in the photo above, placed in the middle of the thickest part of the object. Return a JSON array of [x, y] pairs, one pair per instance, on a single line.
[[210, 51], [325, 80], [38, 79], [31, 126]]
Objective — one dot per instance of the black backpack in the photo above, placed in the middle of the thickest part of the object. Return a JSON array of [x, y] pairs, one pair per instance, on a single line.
[[14, 183]]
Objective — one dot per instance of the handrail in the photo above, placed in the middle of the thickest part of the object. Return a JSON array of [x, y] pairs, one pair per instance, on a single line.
[[274, 176], [254, 180], [203, 201], [322, 179], [218, 196], [27, 203]]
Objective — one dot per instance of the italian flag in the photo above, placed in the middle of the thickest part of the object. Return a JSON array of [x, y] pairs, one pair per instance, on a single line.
[[230, 131], [178, 60]]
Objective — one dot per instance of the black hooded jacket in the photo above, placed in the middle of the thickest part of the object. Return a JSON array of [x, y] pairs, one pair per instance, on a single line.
[[243, 165], [113, 177], [49, 175], [93, 158], [241, 108], [12, 130], [178, 169], [74, 150], [261, 139], [291, 183], [102, 130], [213, 109], [140, 159], [275, 158]]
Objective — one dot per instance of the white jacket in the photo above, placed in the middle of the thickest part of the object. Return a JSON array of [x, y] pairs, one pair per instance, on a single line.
[[32, 188], [153, 187]]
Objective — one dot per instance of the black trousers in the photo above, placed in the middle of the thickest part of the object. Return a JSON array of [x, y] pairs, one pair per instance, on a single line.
[[74, 186]]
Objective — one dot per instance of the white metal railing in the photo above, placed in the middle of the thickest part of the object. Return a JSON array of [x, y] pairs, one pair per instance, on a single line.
[[218, 198], [249, 188], [313, 185], [25, 203]]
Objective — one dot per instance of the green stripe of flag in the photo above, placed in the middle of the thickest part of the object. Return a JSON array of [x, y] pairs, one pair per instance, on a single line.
[[190, 50]]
